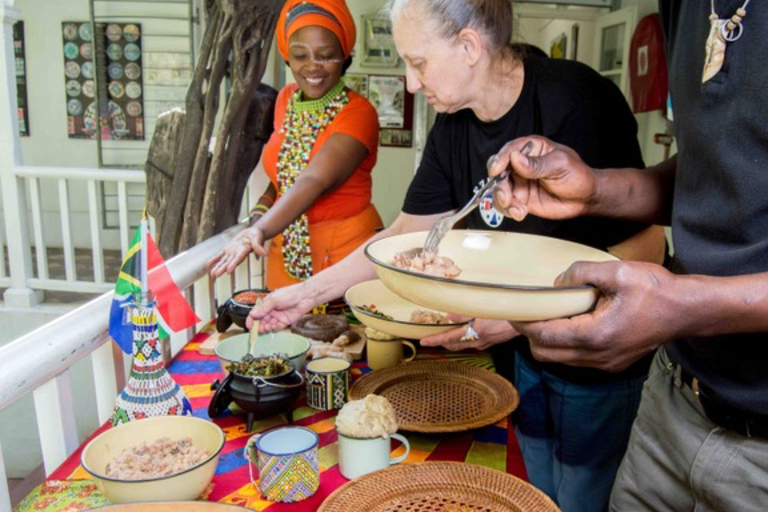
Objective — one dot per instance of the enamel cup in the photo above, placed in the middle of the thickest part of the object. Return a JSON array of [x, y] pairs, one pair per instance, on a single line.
[[385, 354], [286, 458], [358, 457], [327, 382]]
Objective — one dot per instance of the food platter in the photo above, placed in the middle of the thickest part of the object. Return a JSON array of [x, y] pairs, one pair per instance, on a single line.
[[504, 276], [438, 486], [435, 396], [374, 295]]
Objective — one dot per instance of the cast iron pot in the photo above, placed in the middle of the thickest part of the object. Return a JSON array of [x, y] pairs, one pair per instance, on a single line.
[[260, 397], [236, 312]]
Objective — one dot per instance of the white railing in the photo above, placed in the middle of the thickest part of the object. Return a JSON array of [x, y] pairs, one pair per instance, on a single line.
[[40, 362], [85, 185]]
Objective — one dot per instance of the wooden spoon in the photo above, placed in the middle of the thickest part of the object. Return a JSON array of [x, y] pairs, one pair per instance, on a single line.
[[254, 334]]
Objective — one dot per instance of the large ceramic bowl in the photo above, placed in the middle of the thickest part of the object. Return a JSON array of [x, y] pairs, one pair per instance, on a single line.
[[182, 486], [293, 346], [176, 506], [505, 276], [389, 303]]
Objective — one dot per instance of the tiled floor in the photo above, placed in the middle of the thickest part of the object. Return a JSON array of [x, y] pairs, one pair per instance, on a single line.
[[83, 270]]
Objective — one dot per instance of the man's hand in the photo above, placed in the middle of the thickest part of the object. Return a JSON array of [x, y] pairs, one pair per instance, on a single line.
[[637, 310], [547, 179]]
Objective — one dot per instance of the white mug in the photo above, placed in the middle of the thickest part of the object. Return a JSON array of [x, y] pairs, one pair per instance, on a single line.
[[359, 457]]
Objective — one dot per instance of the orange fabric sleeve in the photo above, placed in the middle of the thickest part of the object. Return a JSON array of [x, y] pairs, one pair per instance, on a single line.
[[360, 120]]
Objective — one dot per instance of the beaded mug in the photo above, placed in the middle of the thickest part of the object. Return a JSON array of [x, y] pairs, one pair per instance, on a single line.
[[327, 382], [286, 458]]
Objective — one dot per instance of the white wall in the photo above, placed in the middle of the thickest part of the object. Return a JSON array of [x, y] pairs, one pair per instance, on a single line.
[[395, 167], [541, 32]]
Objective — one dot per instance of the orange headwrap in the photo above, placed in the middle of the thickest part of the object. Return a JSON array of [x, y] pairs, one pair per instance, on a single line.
[[331, 14]]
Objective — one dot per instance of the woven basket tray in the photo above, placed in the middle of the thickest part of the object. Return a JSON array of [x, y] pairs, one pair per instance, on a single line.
[[434, 396], [438, 486]]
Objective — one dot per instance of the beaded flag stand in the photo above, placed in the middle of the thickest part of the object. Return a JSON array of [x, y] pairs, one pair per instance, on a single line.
[[150, 391]]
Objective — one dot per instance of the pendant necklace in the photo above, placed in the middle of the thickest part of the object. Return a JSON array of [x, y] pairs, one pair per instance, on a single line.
[[721, 32]]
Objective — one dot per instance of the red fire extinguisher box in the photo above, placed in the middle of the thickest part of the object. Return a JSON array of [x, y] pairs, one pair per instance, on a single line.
[[648, 66]]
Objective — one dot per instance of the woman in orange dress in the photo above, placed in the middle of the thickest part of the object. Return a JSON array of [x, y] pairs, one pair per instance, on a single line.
[[317, 207]]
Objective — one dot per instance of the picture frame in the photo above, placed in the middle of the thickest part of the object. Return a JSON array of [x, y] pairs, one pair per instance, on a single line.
[[378, 44], [394, 104], [558, 48], [358, 83]]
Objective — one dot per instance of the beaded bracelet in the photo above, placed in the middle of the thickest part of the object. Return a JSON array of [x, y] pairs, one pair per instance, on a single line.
[[256, 212], [259, 208]]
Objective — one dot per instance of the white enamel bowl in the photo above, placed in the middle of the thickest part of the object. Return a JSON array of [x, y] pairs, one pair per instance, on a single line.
[[505, 276], [389, 303], [183, 486]]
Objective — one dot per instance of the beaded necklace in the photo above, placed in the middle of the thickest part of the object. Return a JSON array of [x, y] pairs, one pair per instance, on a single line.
[[721, 32], [304, 121]]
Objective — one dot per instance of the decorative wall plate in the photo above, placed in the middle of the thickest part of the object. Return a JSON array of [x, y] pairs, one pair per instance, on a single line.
[[70, 31], [71, 51], [131, 32], [132, 71], [72, 69], [114, 51], [132, 51], [114, 32], [133, 90], [85, 32]]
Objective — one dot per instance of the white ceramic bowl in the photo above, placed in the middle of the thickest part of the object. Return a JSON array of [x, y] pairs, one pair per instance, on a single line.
[[183, 486], [505, 276], [294, 346], [390, 303]]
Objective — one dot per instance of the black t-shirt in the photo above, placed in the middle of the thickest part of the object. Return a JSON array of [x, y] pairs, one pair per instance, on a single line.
[[720, 209], [565, 101]]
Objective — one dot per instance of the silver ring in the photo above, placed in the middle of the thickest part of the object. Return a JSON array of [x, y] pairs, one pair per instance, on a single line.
[[471, 334]]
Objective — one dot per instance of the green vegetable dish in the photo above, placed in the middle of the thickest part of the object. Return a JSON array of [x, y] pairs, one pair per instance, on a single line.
[[268, 366], [375, 312]]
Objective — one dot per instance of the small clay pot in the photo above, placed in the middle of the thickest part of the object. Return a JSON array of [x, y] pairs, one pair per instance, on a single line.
[[236, 311]]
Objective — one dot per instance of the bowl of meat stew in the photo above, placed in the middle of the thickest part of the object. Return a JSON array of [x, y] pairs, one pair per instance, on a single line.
[[379, 308], [162, 458], [486, 274]]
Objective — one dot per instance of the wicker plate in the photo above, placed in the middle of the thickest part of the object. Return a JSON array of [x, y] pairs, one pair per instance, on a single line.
[[444, 486], [433, 396]]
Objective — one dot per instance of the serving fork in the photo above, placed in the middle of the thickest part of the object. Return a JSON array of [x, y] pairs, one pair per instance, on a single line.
[[441, 227]]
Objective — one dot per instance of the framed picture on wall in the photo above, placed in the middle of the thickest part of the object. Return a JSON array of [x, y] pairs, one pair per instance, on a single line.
[[21, 78], [558, 47], [358, 83], [394, 104], [378, 45]]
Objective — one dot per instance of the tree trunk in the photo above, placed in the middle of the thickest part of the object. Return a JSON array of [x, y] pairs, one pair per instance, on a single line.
[[205, 190]]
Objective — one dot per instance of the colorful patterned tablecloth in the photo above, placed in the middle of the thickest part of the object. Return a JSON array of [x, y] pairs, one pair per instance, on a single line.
[[68, 488]]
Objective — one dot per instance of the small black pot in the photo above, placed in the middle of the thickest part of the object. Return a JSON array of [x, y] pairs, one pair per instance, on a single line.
[[260, 397], [235, 312]]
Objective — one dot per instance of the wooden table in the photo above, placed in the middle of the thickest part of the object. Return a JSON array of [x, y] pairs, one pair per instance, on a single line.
[[68, 488]]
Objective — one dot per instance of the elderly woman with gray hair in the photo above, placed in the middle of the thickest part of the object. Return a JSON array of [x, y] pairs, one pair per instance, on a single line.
[[573, 423]]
